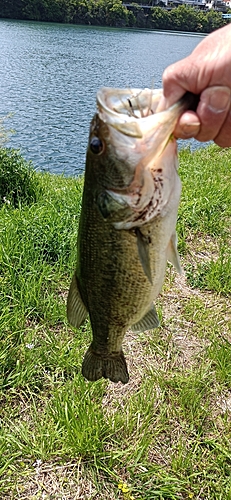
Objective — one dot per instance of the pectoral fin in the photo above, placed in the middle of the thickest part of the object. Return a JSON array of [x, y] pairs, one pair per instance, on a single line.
[[76, 310], [143, 250], [172, 253], [148, 322]]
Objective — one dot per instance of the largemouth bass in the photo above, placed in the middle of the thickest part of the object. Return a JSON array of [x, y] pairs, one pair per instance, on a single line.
[[127, 229]]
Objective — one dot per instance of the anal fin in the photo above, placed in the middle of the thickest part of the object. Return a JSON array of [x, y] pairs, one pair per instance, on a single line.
[[172, 253], [76, 310], [148, 322]]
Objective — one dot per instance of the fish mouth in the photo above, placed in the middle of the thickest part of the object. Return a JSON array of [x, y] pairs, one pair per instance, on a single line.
[[142, 138], [134, 112], [128, 110]]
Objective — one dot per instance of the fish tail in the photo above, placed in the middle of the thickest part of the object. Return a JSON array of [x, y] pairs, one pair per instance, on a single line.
[[113, 367]]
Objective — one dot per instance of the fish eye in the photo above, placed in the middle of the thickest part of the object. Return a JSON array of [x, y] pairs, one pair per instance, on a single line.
[[96, 145]]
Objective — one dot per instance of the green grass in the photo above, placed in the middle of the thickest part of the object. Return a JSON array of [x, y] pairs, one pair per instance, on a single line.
[[166, 434]]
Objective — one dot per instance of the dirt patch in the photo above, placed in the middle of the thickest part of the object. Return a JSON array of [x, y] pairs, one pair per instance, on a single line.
[[50, 481]]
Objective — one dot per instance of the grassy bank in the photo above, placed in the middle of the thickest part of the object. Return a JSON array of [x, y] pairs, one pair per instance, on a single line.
[[166, 434]]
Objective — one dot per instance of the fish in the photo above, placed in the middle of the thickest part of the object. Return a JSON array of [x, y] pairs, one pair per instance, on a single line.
[[127, 228]]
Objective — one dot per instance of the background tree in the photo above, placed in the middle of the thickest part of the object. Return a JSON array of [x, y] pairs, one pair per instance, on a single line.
[[139, 15], [213, 20], [117, 14], [184, 18], [160, 18]]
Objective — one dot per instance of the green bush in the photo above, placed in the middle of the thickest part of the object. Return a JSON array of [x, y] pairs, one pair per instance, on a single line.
[[17, 179]]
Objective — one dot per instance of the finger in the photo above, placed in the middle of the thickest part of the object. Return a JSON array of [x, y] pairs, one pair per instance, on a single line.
[[187, 126], [177, 79], [212, 111], [223, 138]]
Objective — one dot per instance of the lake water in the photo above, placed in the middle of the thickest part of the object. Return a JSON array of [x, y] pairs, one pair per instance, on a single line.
[[50, 73]]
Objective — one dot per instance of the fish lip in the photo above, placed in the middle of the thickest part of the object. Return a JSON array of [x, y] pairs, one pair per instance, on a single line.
[[114, 110]]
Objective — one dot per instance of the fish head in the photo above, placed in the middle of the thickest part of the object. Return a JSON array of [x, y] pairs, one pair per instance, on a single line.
[[132, 154], [110, 168]]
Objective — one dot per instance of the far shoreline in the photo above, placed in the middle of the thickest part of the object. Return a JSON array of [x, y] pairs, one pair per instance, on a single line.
[[113, 28], [180, 18]]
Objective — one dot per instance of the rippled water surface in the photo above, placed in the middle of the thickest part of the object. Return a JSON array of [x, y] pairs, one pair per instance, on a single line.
[[50, 73]]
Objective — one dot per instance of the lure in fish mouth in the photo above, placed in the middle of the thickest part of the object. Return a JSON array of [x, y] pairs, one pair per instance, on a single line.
[[127, 223]]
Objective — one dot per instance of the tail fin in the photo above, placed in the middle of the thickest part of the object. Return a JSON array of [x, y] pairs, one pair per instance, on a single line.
[[113, 366]]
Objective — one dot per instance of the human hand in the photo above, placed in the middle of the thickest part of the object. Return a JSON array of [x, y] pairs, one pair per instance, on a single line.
[[207, 72]]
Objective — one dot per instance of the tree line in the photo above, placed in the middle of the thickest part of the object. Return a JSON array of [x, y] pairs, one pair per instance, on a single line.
[[113, 13]]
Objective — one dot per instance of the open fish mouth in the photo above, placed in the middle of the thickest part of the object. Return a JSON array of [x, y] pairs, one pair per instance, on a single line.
[[134, 112], [140, 135], [143, 139], [122, 108]]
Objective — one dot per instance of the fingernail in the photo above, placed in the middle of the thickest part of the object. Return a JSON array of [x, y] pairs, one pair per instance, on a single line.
[[190, 129], [217, 99]]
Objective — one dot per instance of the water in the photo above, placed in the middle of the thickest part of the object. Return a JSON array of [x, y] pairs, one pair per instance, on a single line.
[[50, 73]]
